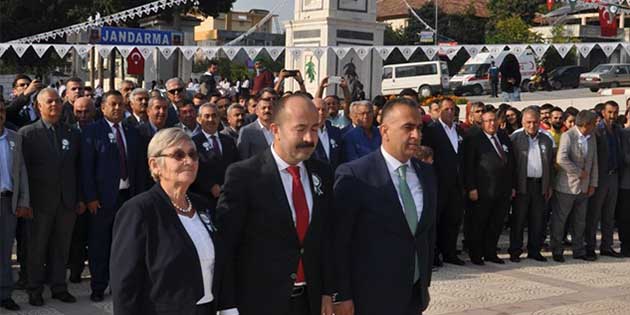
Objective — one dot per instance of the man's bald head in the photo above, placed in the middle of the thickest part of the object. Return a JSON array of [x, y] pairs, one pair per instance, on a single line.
[[292, 104]]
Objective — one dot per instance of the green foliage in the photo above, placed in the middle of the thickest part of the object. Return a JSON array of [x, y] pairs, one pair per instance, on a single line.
[[310, 70], [526, 9], [512, 30]]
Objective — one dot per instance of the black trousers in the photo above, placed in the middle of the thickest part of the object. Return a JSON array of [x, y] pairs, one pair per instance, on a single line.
[[528, 208], [100, 242], [623, 219], [487, 218], [299, 304], [48, 248], [206, 309], [22, 234], [78, 247], [450, 216]]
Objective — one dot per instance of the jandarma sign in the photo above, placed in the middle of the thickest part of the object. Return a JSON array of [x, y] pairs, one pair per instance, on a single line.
[[134, 36]]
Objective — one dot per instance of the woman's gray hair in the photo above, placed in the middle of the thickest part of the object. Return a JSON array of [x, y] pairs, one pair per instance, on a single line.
[[163, 140]]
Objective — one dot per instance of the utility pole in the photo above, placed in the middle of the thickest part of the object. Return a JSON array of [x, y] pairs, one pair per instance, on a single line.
[[436, 22]]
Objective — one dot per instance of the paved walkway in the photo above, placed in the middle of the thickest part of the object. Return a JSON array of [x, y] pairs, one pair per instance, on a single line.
[[530, 287]]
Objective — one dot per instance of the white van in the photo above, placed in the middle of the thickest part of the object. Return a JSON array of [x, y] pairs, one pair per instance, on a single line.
[[426, 78], [473, 76]]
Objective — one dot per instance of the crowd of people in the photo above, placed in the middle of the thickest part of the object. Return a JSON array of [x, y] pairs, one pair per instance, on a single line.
[[268, 201]]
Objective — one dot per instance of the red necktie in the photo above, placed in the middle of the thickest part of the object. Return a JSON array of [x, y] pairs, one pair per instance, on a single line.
[[301, 214]]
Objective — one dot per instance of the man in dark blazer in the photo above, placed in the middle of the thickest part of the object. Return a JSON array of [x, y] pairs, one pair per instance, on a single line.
[[488, 179], [74, 90], [113, 169], [51, 154], [138, 101], [329, 147], [157, 113], [256, 137], [384, 228], [446, 139], [534, 162], [21, 110], [216, 152], [274, 216]]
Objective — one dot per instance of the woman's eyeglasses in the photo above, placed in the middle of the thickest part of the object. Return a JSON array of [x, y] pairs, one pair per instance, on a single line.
[[180, 155]]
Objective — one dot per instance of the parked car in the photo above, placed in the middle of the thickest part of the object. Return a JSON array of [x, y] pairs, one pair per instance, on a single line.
[[427, 78], [565, 77], [607, 75]]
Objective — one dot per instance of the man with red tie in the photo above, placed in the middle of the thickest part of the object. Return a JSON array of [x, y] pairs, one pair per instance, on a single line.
[[273, 212]]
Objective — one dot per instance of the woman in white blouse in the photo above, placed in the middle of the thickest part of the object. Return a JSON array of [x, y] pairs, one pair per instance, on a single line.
[[166, 254]]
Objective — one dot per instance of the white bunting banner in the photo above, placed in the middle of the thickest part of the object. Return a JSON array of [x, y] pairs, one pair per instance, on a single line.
[[608, 48], [319, 52], [473, 50], [104, 50], [274, 52], [20, 49], [625, 46], [167, 51], [125, 50], [295, 52], [450, 51], [231, 51], [585, 48], [563, 49], [82, 50], [384, 51], [495, 50], [146, 51], [517, 49], [429, 51], [341, 52], [252, 52], [3, 48], [361, 51], [40, 49], [209, 52], [539, 49], [188, 51], [407, 51]]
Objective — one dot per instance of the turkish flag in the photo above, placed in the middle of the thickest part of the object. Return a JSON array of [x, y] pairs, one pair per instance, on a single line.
[[135, 62], [607, 22], [549, 5]]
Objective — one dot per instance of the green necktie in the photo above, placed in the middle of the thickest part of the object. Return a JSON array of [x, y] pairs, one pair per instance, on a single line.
[[409, 206]]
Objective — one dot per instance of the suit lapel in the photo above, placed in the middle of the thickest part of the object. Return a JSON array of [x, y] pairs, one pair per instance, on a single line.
[[395, 209], [171, 215], [15, 170], [271, 176], [445, 137], [424, 220], [315, 213]]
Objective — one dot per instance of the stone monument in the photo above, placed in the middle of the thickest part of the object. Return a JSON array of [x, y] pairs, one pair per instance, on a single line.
[[348, 23]]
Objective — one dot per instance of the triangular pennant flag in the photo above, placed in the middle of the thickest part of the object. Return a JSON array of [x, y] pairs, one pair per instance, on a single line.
[[252, 52], [274, 51], [608, 48], [146, 51], [540, 49], [450, 51], [209, 52], [517, 50], [20, 49], [384, 51], [563, 49], [361, 51], [83, 50], [626, 46], [495, 50], [473, 50], [429, 51], [231, 51], [3, 48], [40, 49], [407, 51], [125, 50], [62, 50], [104, 50], [585, 48], [318, 52], [188, 51], [341, 51], [295, 52]]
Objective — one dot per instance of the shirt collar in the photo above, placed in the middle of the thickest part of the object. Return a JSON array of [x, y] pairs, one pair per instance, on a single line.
[[581, 135], [111, 124], [445, 125], [392, 163], [282, 165], [261, 125], [208, 135], [489, 136]]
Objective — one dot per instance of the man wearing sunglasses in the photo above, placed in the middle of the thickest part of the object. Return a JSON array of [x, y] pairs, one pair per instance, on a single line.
[[113, 169], [21, 111], [176, 92]]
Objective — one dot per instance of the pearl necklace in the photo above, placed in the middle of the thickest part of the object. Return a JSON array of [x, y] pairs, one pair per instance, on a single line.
[[184, 210]]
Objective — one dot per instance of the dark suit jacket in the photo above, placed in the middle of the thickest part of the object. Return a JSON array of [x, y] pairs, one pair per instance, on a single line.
[[53, 173], [484, 169], [131, 121], [15, 111], [446, 162], [335, 146], [251, 141], [154, 265], [100, 163], [212, 166], [231, 133], [172, 118], [67, 113], [373, 248], [603, 151], [260, 233]]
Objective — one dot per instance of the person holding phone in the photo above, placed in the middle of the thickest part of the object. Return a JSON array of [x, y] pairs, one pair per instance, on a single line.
[[279, 87]]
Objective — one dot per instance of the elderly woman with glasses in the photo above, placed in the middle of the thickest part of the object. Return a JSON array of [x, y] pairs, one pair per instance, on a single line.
[[166, 258]]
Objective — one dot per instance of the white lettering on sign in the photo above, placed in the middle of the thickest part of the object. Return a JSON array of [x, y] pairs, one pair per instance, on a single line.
[[125, 36]]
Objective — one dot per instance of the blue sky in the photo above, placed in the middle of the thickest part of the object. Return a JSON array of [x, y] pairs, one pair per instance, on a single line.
[[285, 12]]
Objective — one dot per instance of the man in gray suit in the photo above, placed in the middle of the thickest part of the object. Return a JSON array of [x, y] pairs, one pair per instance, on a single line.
[[256, 137], [576, 181], [533, 152], [51, 156], [14, 203]]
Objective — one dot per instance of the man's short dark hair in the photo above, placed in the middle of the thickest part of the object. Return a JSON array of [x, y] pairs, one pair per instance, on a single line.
[[213, 63], [585, 117], [389, 106], [408, 92], [267, 89], [489, 108], [110, 93], [334, 97], [19, 77], [611, 103], [379, 101], [74, 79], [200, 96], [546, 106], [88, 88], [599, 107], [557, 109]]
